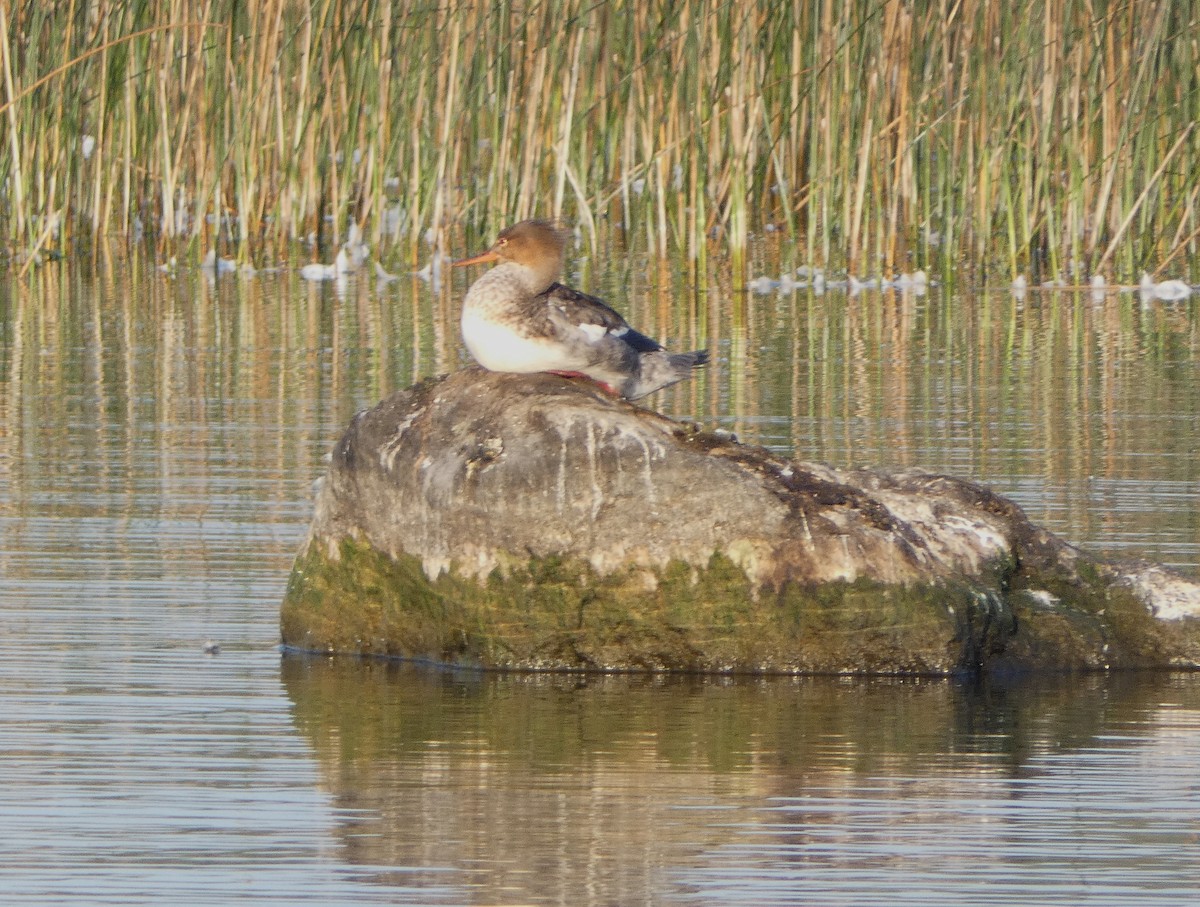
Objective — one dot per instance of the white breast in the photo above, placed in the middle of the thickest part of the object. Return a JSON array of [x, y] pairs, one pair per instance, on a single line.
[[501, 348]]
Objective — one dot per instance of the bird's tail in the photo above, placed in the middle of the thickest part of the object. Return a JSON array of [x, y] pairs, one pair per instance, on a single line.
[[689, 361], [661, 369]]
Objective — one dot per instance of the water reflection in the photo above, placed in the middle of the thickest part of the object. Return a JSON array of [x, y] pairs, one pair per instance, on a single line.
[[612, 790]]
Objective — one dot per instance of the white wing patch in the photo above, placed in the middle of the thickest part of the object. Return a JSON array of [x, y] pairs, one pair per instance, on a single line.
[[593, 332]]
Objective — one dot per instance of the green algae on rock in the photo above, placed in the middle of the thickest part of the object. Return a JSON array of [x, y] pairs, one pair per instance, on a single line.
[[531, 522]]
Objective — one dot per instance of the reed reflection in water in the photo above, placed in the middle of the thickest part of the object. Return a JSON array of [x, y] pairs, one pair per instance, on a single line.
[[158, 440]]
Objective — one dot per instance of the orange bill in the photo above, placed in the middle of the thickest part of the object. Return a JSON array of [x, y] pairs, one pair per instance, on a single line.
[[489, 255]]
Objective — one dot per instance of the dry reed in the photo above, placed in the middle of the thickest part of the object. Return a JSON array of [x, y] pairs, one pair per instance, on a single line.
[[1051, 138]]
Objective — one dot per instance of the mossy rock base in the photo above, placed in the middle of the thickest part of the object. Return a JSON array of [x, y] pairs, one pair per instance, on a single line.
[[556, 614], [1093, 622]]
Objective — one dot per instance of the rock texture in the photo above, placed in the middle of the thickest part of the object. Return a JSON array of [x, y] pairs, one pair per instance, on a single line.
[[529, 521]]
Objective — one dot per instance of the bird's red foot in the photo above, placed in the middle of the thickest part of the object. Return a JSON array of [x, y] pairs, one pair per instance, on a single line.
[[607, 388]]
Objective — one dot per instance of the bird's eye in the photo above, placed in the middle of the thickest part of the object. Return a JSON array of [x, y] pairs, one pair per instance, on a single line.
[[502, 241]]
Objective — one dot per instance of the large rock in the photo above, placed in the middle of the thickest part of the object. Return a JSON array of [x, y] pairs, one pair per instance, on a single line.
[[529, 521]]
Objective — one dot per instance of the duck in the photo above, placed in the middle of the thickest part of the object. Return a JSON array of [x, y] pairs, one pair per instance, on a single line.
[[518, 318], [1166, 289]]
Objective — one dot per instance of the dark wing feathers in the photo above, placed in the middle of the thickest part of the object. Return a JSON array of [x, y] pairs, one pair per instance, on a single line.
[[641, 342], [580, 308]]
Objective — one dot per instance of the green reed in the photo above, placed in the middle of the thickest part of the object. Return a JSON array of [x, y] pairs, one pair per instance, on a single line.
[[1054, 138]]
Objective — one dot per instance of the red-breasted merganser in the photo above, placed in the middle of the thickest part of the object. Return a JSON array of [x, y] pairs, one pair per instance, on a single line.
[[518, 318]]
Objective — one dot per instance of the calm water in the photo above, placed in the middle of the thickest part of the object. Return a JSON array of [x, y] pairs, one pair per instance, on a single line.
[[158, 440]]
